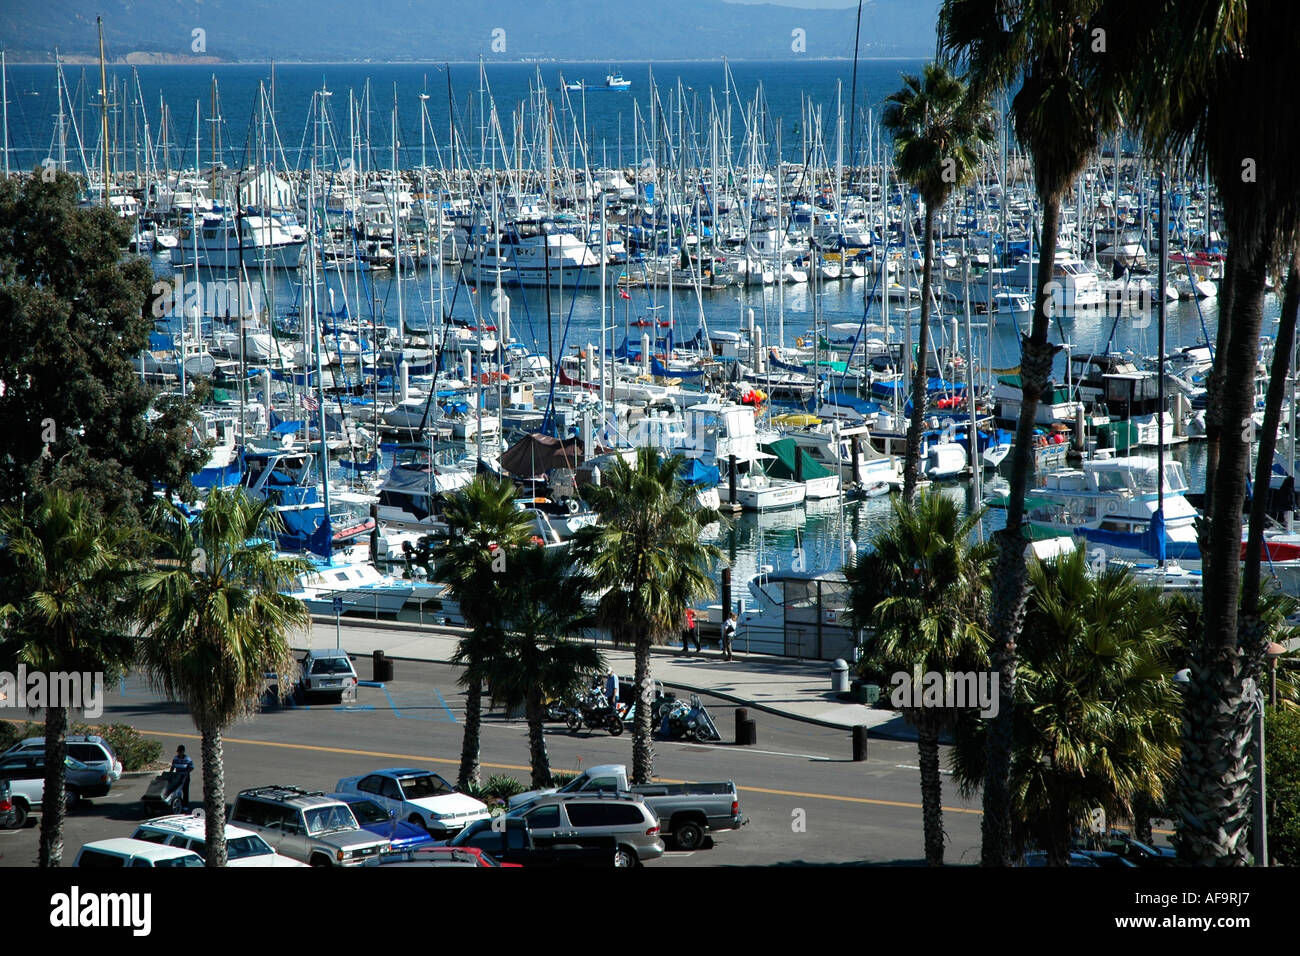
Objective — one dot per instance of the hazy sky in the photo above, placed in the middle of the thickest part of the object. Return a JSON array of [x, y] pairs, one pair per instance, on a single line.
[[815, 4]]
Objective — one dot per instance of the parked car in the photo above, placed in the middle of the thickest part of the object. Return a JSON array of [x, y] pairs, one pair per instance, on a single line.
[[6, 806], [420, 797], [399, 834], [439, 856], [25, 773], [327, 671], [119, 853], [1139, 853], [306, 826], [189, 832], [1039, 858], [624, 816], [92, 750], [510, 841], [688, 809]]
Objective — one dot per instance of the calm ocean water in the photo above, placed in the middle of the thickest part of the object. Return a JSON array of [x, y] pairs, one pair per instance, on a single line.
[[609, 118]]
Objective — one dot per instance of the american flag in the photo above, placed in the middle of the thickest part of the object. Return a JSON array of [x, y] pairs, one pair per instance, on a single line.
[[309, 402]]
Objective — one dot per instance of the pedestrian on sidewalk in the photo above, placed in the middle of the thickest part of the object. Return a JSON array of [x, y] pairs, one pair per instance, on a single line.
[[689, 632], [728, 635]]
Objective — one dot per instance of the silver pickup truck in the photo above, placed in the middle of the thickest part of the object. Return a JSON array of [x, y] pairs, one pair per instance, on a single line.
[[686, 811]]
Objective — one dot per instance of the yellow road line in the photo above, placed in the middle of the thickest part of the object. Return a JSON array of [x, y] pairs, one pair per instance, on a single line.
[[509, 766]]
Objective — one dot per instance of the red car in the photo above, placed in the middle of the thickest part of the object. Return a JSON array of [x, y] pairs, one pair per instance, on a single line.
[[441, 856]]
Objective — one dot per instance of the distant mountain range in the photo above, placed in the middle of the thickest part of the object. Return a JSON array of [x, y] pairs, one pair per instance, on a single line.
[[434, 30]]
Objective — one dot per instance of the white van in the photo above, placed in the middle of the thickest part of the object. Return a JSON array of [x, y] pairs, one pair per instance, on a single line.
[[119, 853]]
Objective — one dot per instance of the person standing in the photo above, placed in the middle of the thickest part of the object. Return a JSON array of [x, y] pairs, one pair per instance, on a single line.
[[728, 635], [182, 764], [611, 691], [689, 632]]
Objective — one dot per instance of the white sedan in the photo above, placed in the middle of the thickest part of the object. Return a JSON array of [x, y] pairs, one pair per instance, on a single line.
[[420, 797]]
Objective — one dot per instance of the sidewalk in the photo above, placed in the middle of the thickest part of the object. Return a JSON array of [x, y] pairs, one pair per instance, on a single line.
[[799, 690]]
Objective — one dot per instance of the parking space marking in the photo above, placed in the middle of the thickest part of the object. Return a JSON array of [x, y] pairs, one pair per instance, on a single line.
[[417, 705], [450, 715]]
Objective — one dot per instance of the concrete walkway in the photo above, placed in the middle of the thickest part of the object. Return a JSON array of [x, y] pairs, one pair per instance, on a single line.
[[799, 690]]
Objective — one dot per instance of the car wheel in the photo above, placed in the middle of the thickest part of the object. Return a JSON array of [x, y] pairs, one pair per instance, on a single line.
[[415, 818], [623, 857], [688, 836], [72, 799], [20, 816], [319, 860]]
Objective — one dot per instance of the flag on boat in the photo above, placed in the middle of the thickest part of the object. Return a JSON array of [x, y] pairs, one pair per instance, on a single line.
[[309, 402], [623, 294]]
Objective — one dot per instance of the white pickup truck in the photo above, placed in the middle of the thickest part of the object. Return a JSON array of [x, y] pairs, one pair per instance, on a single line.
[[685, 810]]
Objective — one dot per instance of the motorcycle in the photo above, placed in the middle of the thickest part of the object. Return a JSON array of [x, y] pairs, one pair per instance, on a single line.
[[680, 722], [594, 711]]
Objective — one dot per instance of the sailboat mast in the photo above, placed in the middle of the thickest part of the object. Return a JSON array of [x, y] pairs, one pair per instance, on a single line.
[[103, 112]]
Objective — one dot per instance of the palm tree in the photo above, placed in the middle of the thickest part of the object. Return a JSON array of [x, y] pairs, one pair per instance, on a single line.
[[647, 557], [215, 621], [938, 132], [1048, 47], [922, 590], [485, 528], [1097, 720], [1214, 81], [537, 662], [65, 568]]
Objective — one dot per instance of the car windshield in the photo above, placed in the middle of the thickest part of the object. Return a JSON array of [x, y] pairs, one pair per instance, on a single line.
[[367, 811], [331, 665], [425, 785], [241, 848], [189, 859], [328, 819]]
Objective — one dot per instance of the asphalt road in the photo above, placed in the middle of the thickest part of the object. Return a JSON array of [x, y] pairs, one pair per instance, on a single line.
[[807, 801]]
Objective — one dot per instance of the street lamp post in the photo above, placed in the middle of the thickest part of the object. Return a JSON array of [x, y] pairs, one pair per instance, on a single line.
[[1255, 695]]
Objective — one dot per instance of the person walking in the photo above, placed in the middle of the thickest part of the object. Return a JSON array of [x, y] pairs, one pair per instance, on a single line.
[[182, 763], [689, 632], [728, 635]]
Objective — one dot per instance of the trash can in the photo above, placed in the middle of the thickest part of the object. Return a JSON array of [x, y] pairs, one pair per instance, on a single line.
[[839, 676], [382, 667]]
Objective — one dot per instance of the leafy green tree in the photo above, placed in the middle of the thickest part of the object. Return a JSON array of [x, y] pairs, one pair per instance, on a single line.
[[646, 556], [938, 133], [1282, 756], [75, 313], [485, 528], [65, 571], [1098, 712], [215, 622], [537, 661], [1049, 49], [922, 592]]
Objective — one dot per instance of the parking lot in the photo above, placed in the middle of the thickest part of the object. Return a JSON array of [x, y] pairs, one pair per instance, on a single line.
[[806, 799]]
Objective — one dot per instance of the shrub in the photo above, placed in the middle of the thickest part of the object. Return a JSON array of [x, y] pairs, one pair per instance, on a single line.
[[11, 731], [1282, 763], [135, 752]]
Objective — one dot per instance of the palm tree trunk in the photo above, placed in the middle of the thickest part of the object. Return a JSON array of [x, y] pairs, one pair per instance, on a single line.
[[537, 754], [1215, 780], [1010, 573], [1058, 830], [1214, 391], [1278, 373], [54, 804], [927, 747], [214, 794], [469, 747], [912, 462], [642, 753]]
